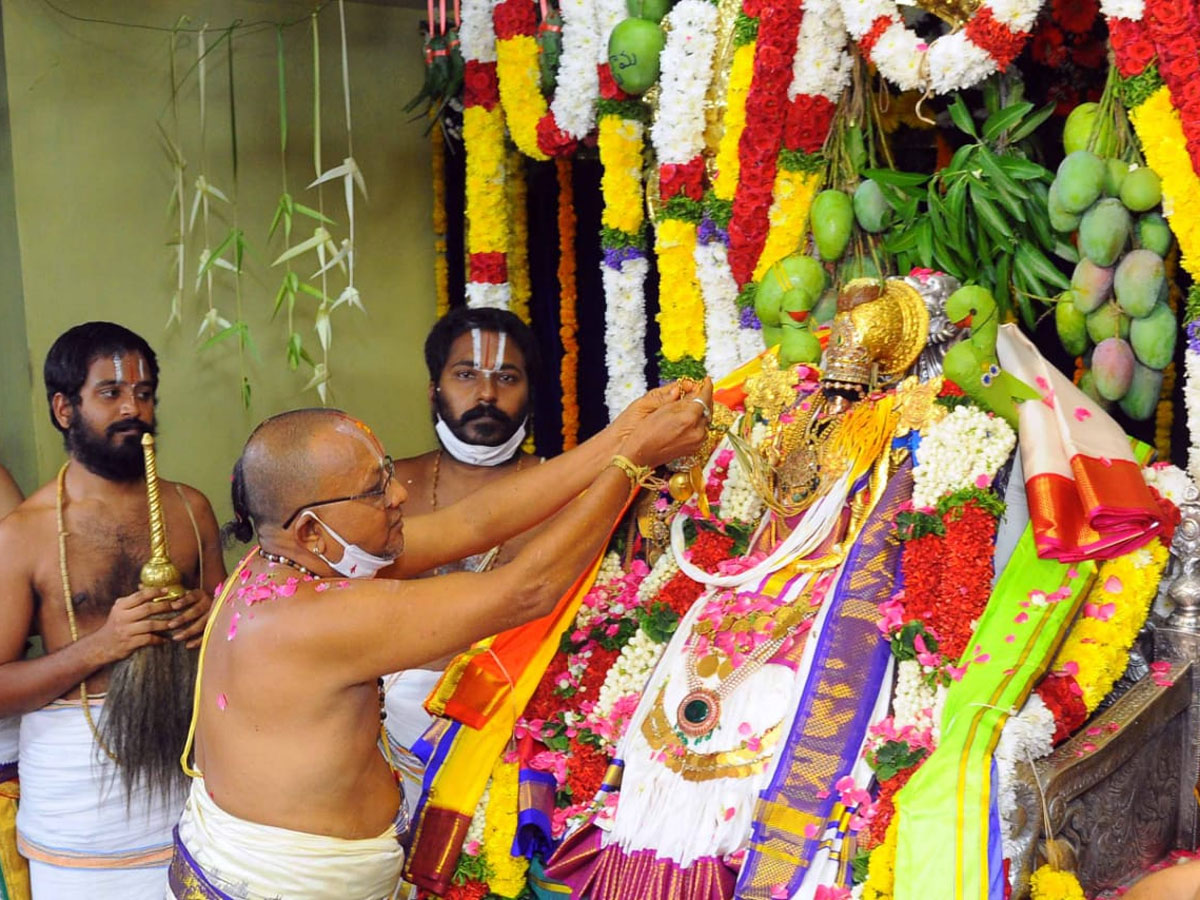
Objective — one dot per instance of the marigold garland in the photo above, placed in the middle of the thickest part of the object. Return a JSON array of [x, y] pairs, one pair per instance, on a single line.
[[567, 296], [486, 198], [881, 870], [1160, 132], [500, 828], [728, 164], [518, 253], [1096, 650], [621, 142], [517, 70], [441, 268], [791, 201], [1050, 884], [681, 309]]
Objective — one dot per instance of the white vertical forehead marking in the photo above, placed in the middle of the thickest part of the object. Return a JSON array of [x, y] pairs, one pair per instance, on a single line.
[[141, 368], [476, 348], [498, 362], [118, 370]]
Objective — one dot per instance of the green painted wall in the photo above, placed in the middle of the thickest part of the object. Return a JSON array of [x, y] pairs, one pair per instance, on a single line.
[[92, 183]]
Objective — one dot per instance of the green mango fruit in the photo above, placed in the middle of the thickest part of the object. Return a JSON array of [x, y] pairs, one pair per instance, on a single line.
[[1071, 325], [1060, 220], [633, 50], [1153, 233], [1115, 171], [1141, 400], [799, 345], [832, 221], [1091, 285], [1153, 337], [1139, 279], [825, 309], [1080, 180], [1141, 190], [1087, 384], [654, 10], [1107, 321], [1112, 365], [1104, 231], [871, 209], [1078, 130]]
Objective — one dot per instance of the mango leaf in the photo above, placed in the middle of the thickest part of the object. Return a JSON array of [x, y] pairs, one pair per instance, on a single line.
[[1045, 270], [1000, 179], [1004, 119], [960, 115], [1022, 169], [895, 179], [1066, 252], [925, 242], [1030, 125], [961, 160]]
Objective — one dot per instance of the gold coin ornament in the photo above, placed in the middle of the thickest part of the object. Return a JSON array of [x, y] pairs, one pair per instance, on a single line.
[[680, 486]]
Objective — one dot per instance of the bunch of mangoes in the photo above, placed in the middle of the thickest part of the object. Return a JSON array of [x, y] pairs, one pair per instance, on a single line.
[[1118, 296], [834, 216], [635, 44], [786, 297]]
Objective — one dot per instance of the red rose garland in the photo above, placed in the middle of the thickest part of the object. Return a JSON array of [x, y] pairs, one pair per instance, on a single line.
[[1175, 29], [766, 111]]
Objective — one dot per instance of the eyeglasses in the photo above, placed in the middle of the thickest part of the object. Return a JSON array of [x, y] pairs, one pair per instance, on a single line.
[[389, 472]]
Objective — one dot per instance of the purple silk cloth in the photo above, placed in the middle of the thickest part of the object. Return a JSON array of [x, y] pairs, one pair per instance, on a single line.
[[186, 880], [849, 664], [535, 805], [998, 875], [609, 873]]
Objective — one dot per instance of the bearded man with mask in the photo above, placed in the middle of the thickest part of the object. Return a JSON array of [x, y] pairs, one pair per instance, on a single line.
[[98, 744], [483, 371]]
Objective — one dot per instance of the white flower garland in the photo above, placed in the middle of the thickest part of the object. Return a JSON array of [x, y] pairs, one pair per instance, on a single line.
[[624, 333], [1123, 9], [723, 345], [574, 104], [966, 445], [476, 32], [661, 572], [686, 64], [822, 65], [1170, 481], [915, 702], [629, 674], [1026, 737], [609, 14], [952, 62], [1191, 400], [739, 501], [492, 296]]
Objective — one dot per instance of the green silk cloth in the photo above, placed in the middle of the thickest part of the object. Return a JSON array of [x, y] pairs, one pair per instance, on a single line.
[[942, 846]]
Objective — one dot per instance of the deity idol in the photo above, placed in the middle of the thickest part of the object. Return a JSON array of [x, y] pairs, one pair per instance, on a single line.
[[743, 760]]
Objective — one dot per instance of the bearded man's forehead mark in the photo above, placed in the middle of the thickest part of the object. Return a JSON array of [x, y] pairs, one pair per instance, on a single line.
[[118, 368], [477, 351]]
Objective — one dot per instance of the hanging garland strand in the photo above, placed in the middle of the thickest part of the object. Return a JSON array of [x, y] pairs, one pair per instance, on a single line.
[[518, 250], [568, 326], [441, 269]]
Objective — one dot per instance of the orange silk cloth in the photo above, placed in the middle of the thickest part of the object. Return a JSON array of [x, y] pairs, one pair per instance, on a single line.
[[1087, 496]]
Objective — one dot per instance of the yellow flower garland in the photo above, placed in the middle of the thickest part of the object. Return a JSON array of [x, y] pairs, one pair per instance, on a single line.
[[792, 200], [500, 828], [520, 93], [1100, 645], [881, 869], [1161, 134], [622, 144], [441, 269], [487, 213], [1051, 884], [741, 72], [681, 307], [518, 251]]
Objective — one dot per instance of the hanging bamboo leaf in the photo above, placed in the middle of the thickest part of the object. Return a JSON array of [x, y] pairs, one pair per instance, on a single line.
[[281, 71], [319, 239]]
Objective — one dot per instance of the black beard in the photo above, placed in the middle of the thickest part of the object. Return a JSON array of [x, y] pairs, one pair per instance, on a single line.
[[123, 461], [493, 426]]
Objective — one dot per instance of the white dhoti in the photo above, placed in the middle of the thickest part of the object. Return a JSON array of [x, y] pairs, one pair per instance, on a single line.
[[404, 702], [81, 837], [231, 857]]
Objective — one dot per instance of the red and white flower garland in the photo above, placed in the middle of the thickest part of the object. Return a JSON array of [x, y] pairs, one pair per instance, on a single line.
[[961, 59]]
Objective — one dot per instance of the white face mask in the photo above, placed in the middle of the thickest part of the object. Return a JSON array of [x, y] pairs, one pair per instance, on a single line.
[[478, 454], [355, 562]]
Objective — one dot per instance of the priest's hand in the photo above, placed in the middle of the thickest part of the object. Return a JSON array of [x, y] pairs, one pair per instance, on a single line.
[[676, 428], [193, 608], [131, 625], [636, 412]]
